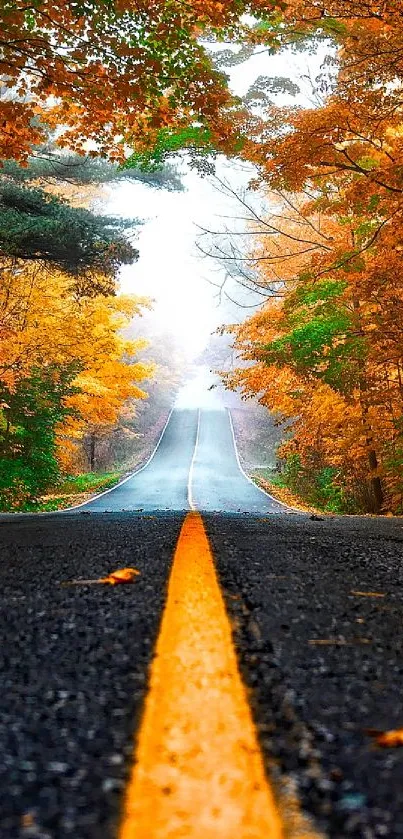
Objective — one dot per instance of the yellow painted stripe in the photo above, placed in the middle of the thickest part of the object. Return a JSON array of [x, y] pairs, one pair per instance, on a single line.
[[198, 771]]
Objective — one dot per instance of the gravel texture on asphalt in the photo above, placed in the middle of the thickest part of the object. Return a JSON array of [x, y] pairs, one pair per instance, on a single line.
[[74, 661], [288, 582], [74, 665]]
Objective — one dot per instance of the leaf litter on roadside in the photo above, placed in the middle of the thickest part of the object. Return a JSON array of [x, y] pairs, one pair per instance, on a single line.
[[118, 577]]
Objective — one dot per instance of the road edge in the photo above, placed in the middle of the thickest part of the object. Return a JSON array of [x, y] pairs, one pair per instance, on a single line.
[[249, 479], [128, 477]]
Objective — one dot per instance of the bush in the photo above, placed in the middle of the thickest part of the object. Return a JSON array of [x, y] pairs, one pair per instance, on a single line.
[[30, 414], [318, 485]]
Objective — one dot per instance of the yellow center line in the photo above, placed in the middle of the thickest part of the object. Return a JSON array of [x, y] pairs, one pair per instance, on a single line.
[[198, 772]]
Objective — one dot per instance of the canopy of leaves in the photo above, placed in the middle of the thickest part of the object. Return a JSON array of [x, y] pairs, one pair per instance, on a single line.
[[115, 71], [196, 139], [326, 349]]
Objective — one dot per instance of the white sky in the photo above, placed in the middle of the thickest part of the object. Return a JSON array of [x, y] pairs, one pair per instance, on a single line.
[[170, 269]]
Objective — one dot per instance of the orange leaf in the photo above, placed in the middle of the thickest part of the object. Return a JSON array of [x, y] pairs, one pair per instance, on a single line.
[[387, 739], [122, 575]]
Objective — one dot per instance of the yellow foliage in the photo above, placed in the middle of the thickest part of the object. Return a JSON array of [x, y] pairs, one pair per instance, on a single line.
[[43, 323]]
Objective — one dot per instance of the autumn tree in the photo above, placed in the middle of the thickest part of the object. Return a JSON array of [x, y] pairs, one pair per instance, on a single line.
[[326, 349], [113, 72], [65, 366], [328, 319], [30, 414], [140, 422]]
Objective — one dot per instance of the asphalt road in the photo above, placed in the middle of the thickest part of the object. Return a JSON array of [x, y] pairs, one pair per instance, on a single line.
[[195, 466], [323, 663], [74, 661], [217, 482]]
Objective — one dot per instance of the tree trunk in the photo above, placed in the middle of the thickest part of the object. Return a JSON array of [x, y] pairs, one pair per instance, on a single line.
[[375, 481], [92, 451]]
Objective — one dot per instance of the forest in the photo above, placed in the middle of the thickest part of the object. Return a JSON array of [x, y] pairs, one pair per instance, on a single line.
[[324, 351], [93, 92]]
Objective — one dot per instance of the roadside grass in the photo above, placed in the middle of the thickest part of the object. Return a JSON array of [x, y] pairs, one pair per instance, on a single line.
[[275, 484], [73, 489]]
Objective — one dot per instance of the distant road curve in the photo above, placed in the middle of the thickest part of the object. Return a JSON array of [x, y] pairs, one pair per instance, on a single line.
[[195, 466]]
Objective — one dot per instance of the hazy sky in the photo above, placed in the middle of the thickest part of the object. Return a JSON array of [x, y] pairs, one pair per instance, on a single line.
[[170, 269]]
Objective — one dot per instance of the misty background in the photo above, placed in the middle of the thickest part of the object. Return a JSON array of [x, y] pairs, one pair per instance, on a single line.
[[184, 285]]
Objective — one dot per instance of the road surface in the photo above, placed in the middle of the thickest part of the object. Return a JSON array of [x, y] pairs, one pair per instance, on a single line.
[[315, 607], [195, 466]]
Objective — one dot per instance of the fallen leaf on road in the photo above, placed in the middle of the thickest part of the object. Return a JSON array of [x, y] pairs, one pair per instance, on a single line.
[[121, 575], [27, 820], [386, 739]]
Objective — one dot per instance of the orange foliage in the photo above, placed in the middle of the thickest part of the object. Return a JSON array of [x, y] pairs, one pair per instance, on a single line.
[[109, 72], [326, 351]]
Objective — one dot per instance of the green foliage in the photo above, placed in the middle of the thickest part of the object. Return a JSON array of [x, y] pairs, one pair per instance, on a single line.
[[198, 139], [29, 416], [373, 203], [322, 341], [333, 27], [37, 226], [308, 341], [318, 485], [329, 493], [312, 293], [50, 166], [88, 482], [368, 163], [310, 346]]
